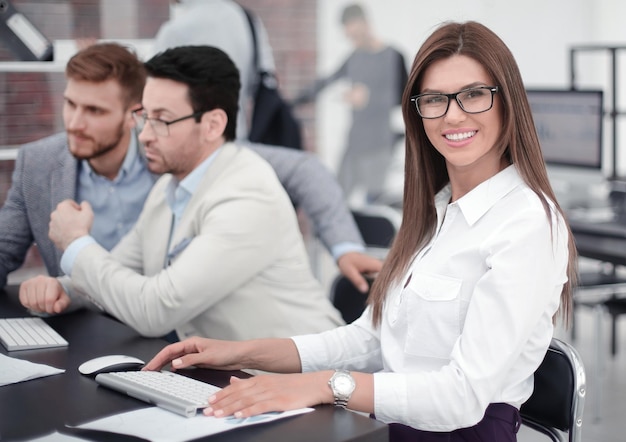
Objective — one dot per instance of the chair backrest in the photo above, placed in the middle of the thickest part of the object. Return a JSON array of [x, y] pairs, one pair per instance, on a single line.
[[557, 402], [347, 298], [378, 224]]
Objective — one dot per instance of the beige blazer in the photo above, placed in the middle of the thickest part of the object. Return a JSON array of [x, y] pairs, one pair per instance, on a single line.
[[238, 266]]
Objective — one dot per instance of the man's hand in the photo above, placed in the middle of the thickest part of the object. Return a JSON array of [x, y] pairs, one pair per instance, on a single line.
[[354, 264], [70, 221], [43, 294]]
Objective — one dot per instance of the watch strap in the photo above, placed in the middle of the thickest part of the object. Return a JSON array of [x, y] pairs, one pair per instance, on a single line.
[[341, 399]]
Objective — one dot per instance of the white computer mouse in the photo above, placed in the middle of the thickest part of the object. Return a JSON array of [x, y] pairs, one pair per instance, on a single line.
[[108, 363]]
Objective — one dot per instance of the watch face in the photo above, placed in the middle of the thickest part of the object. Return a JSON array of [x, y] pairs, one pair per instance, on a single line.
[[343, 384]]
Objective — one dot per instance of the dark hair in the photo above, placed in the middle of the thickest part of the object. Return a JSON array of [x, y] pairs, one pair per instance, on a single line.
[[110, 61], [425, 170], [352, 12], [212, 78]]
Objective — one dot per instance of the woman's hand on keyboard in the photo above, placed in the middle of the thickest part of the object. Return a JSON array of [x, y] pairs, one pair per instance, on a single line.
[[276, 392], [259, 394], [43, 294], [276, 355], [196, 351]]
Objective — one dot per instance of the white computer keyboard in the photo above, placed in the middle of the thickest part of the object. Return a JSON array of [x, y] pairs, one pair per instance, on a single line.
[[28, 334], [171, 391]]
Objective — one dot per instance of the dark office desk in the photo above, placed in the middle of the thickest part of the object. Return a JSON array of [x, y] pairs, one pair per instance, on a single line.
[[38, 407], [605, 249], [596, 241]]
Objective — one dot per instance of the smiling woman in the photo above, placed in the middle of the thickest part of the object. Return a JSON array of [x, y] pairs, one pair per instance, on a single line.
[[467, 295], [464, 135]]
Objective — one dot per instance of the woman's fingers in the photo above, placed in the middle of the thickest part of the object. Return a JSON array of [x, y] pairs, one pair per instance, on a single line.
[[174, 352], [265, 393]]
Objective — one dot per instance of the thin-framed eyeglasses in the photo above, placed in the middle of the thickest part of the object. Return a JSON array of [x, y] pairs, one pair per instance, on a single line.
[[160, 127], [473, 100]]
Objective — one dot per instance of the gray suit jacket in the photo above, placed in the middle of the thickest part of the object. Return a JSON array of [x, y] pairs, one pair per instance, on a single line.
[[238, 268], [45, 174]]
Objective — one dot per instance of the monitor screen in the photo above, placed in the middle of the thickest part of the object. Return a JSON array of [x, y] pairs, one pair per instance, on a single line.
[[569, 125]]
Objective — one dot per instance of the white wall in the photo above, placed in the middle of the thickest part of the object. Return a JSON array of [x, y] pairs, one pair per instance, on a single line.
[[538, 32]]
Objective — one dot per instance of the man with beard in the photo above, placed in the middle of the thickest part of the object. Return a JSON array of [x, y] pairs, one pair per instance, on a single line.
[[98, 159]]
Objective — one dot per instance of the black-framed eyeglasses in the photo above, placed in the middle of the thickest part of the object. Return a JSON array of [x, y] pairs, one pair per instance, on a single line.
[[160, 127], [473, 100]]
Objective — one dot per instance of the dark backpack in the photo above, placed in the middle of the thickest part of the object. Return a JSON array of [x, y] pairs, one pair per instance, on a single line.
[[273, 121]]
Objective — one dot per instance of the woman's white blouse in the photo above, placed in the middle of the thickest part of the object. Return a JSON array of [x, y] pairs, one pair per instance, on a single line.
[[471, 320]]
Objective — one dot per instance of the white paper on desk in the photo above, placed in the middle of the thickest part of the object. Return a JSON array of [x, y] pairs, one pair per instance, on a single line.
[[157, 424], [13, 370], [57, 437]]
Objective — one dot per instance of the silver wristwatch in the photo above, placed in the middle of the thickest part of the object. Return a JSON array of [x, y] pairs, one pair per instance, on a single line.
[[342, 384]]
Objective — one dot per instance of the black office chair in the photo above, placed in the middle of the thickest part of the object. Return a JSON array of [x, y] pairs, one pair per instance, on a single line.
[[378, 224], [347, 298], [556, 406]]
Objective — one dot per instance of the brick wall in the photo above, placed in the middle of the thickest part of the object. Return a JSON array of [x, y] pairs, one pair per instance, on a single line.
[[29, 104]]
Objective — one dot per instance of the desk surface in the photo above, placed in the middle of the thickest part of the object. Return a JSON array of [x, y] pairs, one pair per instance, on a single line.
[[595, 241], [41, 406], [605, 249]]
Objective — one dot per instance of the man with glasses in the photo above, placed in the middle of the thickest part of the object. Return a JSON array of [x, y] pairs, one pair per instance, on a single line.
[[98, 159], [217, 250]]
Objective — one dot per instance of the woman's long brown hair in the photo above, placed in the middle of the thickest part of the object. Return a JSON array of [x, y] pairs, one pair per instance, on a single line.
[[425, 170]]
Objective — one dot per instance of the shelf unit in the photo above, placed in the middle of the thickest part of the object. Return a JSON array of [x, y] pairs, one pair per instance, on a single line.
[[613, 112]]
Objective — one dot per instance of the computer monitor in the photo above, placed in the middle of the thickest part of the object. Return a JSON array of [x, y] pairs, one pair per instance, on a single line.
[[569, 125]]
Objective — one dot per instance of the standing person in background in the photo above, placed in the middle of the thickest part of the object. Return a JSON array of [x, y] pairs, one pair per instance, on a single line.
[[463, 311], [222, 24], [377, 75]]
